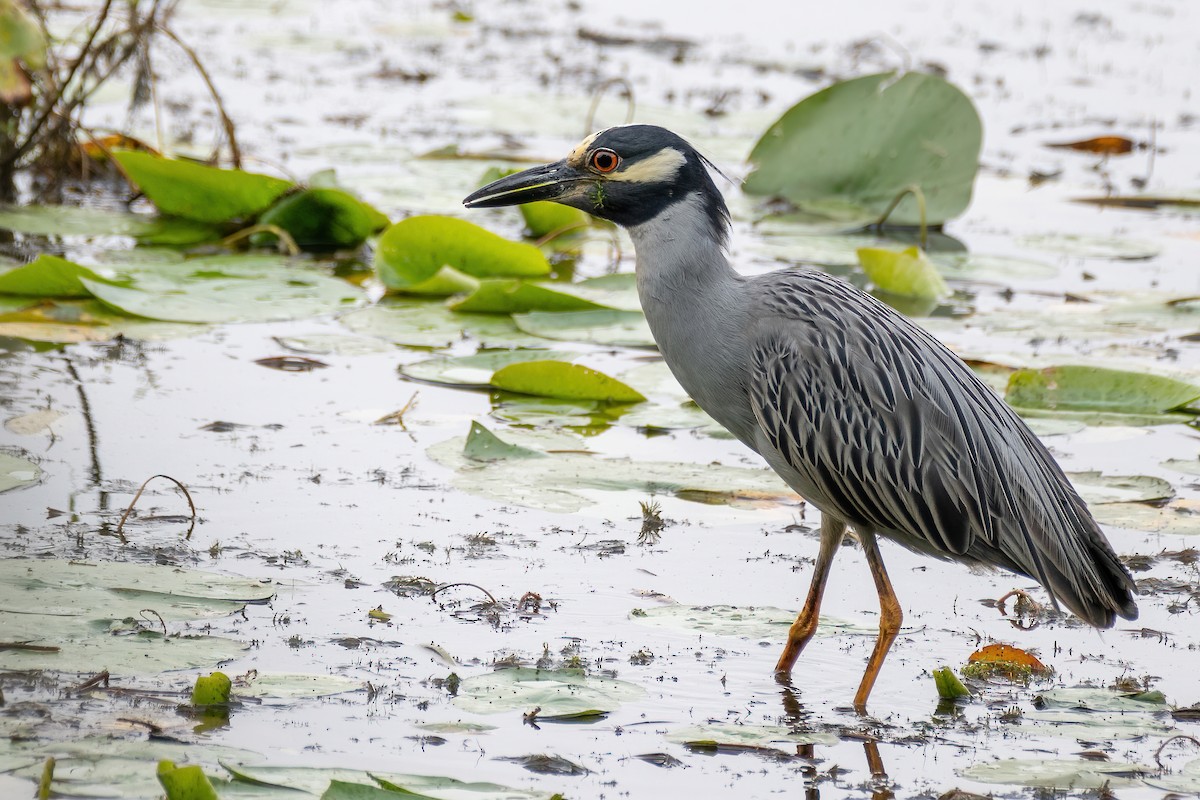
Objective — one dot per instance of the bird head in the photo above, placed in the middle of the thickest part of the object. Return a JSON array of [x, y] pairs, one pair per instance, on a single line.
[[628, 175]]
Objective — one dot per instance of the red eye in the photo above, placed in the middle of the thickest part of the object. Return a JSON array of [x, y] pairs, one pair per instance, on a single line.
[[605, 160]]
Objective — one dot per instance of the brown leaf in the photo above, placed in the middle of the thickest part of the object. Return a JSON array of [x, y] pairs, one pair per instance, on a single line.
[[1007, 654], [1101, 145], [291, 363]]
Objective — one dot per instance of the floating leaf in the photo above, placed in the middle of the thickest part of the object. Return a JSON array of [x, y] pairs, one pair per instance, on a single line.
[[324, 219], [1006, 661], [1097, 488], [949, 687], [63, 220], [47, 276], [565, 381], [415, 249], [211, 690], [905, 273], [1104, 247], [185, 783], [715, 735], [747, 622], [317, 780], [600, 326], [1100, 145], [294, 685], [1179, 517], [243, 288], [860, 143], [556, 691], [199, 192], [425, 323], [17, 472], [1079, 388], [1074, 774], [475, 372], [483, 445]]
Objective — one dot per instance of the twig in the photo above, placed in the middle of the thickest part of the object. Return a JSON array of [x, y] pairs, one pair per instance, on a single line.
[[1163, 746], [916, 192], [43, 790], [32, 648], [286, 243], [161, 621], [598, 95], [445, 586], [136, 497], [92, 682], [235, 154]]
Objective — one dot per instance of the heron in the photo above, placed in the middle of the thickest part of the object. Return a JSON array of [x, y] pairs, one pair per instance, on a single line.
[[861, 411]]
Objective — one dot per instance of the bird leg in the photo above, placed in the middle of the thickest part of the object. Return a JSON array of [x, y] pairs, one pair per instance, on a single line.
[[832, 531], [890, 617]]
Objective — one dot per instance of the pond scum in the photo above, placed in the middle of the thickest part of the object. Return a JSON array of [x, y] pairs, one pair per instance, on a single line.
[[431, 518]]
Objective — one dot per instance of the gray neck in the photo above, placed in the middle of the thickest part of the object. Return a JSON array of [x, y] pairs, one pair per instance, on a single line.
[[680, 258]]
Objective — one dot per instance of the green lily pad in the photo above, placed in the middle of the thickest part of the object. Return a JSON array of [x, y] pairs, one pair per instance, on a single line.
[[317, 780], [47, 276], [556, 691], [243, 288], [1074, 774], [69, 321], [715, 735], [196, 191], [425, 323], [746, 622], [475, 372], [415, 249], [1101, 247], [212, 689], [83, 221], [17, 472], [287, 685], [605, 326], [564, 381], [1097, 488], [324, 219], [904, 273], [508, 296], [483, 445], [1181, 517], [860, 143], [185, 783], [1079, 388]]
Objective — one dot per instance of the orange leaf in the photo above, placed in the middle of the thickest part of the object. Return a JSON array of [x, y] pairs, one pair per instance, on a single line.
[[1101, 145], [1007, 654]]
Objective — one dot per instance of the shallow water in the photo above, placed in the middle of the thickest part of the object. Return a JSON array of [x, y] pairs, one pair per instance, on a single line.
[[309, 493]]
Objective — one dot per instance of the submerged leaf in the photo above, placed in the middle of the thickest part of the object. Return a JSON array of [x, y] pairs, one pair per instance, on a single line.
[[905, 273], [17, 472], [196, 191], [1078, 388], [860, 143], [949, 687], [556, 691], [600, 326], [564, 381], [415, 249]]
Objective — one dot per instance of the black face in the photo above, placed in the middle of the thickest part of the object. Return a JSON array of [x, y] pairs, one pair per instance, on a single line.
[[628, 175]]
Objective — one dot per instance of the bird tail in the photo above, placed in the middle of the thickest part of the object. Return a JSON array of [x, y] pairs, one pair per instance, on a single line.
[[1098, 588]]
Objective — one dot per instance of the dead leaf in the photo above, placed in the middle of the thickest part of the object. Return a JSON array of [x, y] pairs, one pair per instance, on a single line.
[[1100, 145]]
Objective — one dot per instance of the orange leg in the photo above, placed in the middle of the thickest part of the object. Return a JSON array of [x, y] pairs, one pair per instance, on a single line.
[[832, 531], [890, 617]]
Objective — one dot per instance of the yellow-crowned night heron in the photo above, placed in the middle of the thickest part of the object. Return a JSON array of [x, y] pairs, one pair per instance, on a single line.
[[863, 413]]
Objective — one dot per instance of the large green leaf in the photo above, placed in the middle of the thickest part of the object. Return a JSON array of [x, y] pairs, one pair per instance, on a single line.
[[325, 219], [861, 142], [514, 296], [904, 273], [599, 326], [200, 192], [564, 381], [92, 222], [413, 250], [474, 372], [426, 323], [1080, 388], [47, 276]]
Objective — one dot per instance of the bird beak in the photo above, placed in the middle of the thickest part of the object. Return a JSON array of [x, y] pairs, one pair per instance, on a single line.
[[547, 182]]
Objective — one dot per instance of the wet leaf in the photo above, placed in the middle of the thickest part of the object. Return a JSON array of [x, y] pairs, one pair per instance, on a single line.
[[17, 472], [196, 191], [600, 326], [325, 344], [413, 250], [1005, 661], [1097, 488], [483, 445], [1100, 145], [1179, 517], [212, 689], [716, 735], [547, 764], [516, 296], [748, 622], [860, 143], [324, 219], [556, 691], [340, 790], [564, 381], [905, 273], [85, 321], [288, 685], [475, 372], [1186, 205], [1078, 388], [1089, 699], [949, 687], [47, 276], [425, 323], [185, 783], [1102, 247], [245, 288], [1057, 773]]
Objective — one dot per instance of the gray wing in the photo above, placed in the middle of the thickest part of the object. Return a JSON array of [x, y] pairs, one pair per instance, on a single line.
[[876, 422]]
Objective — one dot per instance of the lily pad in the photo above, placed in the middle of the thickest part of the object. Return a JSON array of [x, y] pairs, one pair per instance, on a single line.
[[600, 326], [516, 296], [317, 780], [1097, 488], [1074, 774], [47, 276], [245, 288], [860, 143], [564, 381], [1080, 388], [556, 691], [1100, 247], [17, 472], [426, 323], [68, 321], [475, 372], [200, 192], [415, 249], [904, 273], [325, 219], [716, 735], [747, 622]]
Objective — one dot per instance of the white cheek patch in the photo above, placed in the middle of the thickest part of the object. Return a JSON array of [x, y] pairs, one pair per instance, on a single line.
[[662, 167]]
